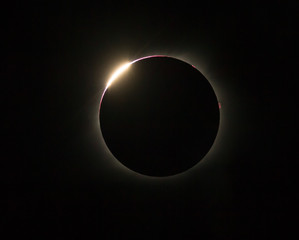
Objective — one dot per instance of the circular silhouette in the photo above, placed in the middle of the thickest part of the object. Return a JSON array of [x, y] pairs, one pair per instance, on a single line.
[[159, 116]]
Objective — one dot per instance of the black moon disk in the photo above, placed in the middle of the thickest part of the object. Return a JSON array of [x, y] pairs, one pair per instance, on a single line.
[[160, 117]]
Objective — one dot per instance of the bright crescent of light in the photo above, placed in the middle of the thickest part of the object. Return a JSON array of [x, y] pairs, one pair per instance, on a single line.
[[125, 67], [118, 72], [121, 69]]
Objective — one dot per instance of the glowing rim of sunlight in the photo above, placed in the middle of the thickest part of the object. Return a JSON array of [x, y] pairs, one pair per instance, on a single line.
[[125, 66], [118, 72]]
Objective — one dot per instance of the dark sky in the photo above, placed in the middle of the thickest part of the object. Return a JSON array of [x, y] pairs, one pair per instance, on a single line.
[[60, 179]]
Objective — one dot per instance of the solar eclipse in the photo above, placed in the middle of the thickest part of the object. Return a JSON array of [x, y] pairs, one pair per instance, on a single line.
[[159, 115]]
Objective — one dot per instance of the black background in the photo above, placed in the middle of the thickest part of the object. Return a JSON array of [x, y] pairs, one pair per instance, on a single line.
[[58, 177]]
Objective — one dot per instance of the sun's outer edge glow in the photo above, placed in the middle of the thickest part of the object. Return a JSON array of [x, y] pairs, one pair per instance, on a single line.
[[118, 72], [123, 68]]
